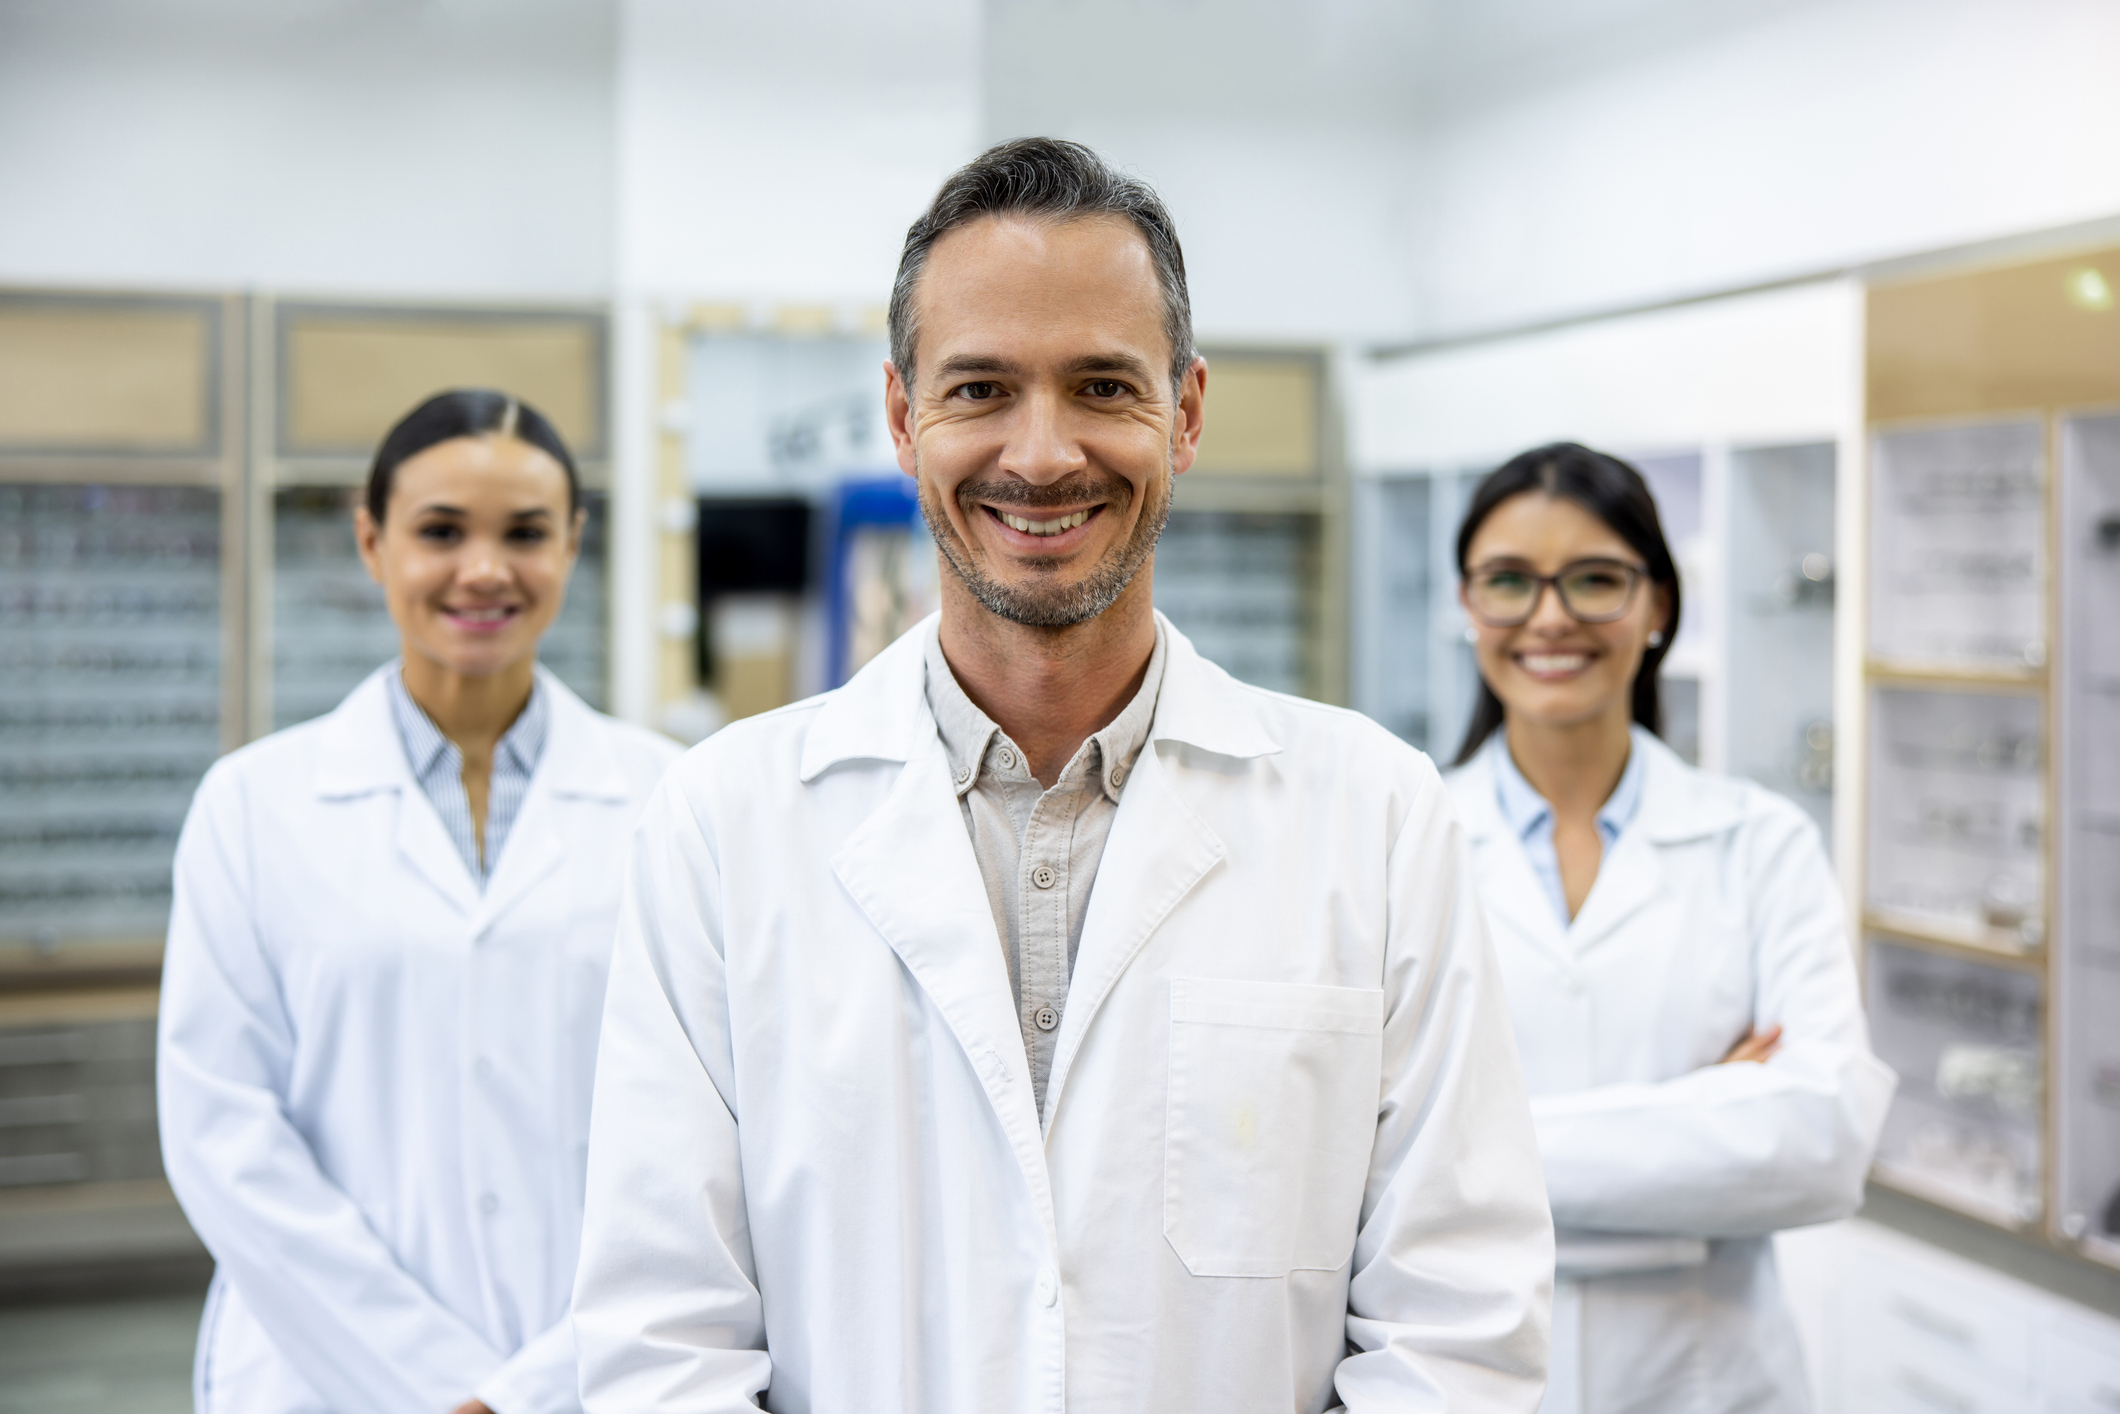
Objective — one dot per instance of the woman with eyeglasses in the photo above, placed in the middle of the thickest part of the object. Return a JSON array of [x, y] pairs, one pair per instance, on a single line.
[[1676, 956], [385, 975]]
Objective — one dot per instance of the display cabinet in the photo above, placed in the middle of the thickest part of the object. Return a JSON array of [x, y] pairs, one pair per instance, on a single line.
[[1992, 708]]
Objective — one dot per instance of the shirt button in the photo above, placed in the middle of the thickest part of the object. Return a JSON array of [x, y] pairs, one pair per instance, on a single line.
[[964, 776], [1046, 1018], [488, 1204], [1043, 876], [1007, 759], [1118, 777], [1048, 1286]]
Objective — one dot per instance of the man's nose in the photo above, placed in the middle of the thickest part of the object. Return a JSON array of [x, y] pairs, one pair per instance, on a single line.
[[1040, 448]]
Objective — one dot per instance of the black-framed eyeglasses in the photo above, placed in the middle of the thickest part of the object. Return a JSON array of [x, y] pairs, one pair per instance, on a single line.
[[1592, 591]]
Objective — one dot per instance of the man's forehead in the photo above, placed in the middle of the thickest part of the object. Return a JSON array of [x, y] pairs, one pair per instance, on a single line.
[[1032, 281]]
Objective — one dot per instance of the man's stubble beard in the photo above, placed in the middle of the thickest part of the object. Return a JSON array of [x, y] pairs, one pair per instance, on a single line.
[[1041, 606]]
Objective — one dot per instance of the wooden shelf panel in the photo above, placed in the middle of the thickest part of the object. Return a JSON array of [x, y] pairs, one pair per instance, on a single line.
[[2001, 951]]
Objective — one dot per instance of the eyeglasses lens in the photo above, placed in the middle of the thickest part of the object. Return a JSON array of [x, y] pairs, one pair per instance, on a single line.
[[1596, 591]]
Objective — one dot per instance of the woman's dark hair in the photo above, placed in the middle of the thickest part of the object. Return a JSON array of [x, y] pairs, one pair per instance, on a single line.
[[466, 412], [1615, 493]]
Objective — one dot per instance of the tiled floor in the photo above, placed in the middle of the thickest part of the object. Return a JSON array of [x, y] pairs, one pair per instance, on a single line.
[[98, 1357]]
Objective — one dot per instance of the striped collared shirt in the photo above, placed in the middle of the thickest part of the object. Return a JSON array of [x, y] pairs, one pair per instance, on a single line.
[[438, 766]]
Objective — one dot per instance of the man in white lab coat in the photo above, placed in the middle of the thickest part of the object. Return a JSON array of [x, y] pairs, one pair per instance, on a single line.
[[1046, 1020]]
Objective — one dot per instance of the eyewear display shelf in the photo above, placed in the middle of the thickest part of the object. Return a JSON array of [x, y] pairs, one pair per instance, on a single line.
[[1989, 871]]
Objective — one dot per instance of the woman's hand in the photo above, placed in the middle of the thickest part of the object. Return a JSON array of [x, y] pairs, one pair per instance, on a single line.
[[1754, 1045], [471, 1406]]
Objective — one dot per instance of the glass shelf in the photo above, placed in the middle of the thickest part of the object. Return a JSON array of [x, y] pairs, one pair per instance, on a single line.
[[1965, 1039], [110, 701], [330, 628], [1781, 591], [1958, 522], [1956, 813], [2088, 689]]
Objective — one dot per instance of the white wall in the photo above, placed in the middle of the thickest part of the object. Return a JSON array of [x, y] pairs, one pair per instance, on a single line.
[[1280, 135], [779, 151], [1558, 176], [458, 147], [1783, 366]]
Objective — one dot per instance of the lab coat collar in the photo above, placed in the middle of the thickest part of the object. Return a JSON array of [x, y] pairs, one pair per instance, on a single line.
[[882, 713], [362, 753], [1678, 804]]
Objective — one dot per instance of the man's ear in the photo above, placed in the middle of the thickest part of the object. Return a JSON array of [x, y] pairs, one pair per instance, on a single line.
[[898, 416], [1191, 419]]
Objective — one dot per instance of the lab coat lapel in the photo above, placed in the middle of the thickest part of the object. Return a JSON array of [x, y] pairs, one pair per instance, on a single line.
[[1512, 895], [362, 754], [911, 869], [1158, 849], [1627, 880], [1156, 852], [576, 775]]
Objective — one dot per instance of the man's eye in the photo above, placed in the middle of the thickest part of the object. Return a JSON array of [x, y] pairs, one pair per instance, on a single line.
[[978, 392], [1106, 388]]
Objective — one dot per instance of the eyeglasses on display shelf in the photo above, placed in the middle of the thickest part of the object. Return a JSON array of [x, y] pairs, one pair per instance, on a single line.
[[1966, 1040], [110, 701], [1242, 587]]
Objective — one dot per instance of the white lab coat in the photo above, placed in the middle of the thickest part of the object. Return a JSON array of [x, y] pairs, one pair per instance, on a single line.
[[1715, 911], [1285, 1141], [375, 1080]]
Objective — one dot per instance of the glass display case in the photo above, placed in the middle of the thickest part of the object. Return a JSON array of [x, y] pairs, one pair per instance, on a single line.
[[1957, 810], [110, 701], [330, 628], [1957, 530], [2088, 955], [1966, 1040], [1780, 600], [1243, 587]]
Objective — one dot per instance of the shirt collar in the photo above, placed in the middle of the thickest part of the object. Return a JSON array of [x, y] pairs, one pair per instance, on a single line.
[[427, 749], [968, 733], [1525, 811]]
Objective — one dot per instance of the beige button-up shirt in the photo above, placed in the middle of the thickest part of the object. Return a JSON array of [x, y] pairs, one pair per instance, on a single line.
[[1038, 849]]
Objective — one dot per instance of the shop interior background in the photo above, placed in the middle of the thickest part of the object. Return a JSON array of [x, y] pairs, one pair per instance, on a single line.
[[1420, 235]]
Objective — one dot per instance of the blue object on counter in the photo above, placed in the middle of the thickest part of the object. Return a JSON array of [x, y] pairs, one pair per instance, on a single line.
[[887, 501]]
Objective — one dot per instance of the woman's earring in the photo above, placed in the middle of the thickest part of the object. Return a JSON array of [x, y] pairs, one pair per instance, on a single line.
[[1656, 638], [1472, 635]]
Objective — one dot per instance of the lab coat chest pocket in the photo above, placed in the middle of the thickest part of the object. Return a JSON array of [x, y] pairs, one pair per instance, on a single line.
[[1270, 1122]]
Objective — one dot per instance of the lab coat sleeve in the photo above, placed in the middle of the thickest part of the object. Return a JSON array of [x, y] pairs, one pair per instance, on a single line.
[[1451, 1291], [667, 1315], [1746, 1149], [328, 1292], [540, 1378]]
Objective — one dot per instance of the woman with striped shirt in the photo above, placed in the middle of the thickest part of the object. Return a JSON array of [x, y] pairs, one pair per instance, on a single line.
[[386, 966]]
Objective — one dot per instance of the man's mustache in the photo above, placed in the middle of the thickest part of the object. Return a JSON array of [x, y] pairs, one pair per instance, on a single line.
[[1075, 490]]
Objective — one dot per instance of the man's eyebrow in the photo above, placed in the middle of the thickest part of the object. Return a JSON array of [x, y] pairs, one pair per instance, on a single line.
[[958, 364], [1111, 363]]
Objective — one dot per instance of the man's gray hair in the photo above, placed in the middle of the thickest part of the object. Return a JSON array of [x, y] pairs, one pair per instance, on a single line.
[[1048, 179]]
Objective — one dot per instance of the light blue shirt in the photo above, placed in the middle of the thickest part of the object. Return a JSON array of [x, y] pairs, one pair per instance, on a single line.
[[1531, 818], [438, 766]]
